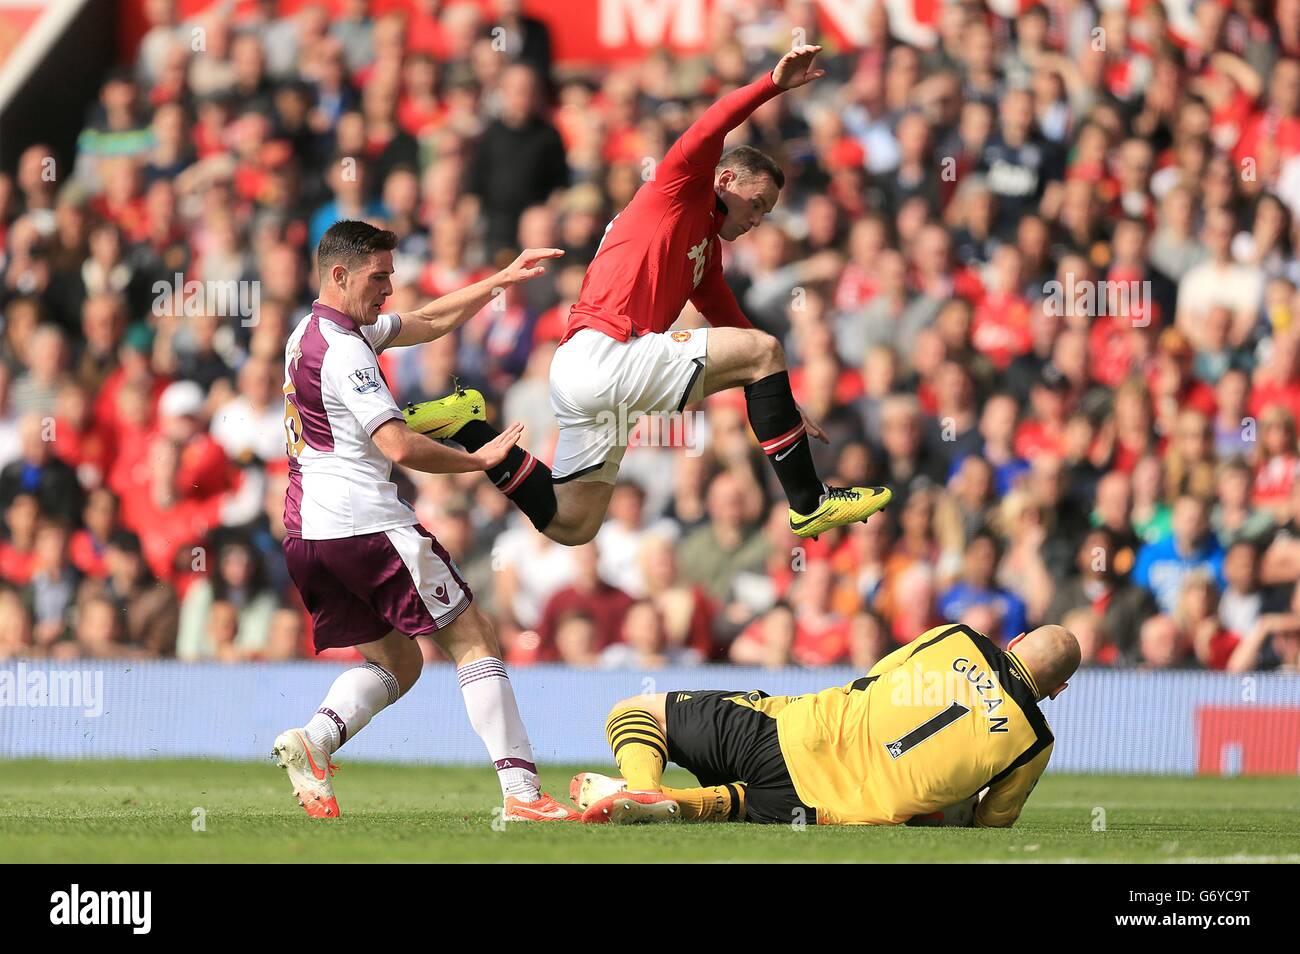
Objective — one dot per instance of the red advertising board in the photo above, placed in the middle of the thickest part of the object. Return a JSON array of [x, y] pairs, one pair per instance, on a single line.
[[14, 22], [594, 31], [1248, 740]]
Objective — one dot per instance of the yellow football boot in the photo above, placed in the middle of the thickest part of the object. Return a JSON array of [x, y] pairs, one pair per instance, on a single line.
[[443, 418], [842, 505]]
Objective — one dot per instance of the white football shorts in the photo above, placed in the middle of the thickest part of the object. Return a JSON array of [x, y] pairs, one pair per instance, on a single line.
[[600, 386]]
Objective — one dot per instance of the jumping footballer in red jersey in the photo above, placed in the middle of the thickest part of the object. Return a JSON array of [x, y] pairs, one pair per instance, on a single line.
[[618, 354]]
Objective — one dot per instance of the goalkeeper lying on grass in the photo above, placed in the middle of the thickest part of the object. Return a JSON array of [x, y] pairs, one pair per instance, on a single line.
[[933, 724]]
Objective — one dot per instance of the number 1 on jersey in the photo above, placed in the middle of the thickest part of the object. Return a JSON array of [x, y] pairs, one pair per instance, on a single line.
[[911, 740]]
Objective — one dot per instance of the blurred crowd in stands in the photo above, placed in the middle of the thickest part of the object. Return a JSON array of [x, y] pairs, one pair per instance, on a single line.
[[1038, 276]]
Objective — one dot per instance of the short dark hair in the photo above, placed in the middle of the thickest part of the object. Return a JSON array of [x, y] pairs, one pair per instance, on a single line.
[[126, 541], [746, 161], [349, 242], [1101, 530], [986, 534], [1244, 542]]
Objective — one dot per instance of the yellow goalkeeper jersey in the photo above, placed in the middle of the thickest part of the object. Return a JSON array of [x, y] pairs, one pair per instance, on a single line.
[[933, 723]]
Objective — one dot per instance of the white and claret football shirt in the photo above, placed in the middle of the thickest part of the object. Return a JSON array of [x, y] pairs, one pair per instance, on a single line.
[[933, 723], [335, 396]]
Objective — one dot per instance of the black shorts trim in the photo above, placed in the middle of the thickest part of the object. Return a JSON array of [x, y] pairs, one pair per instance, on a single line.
[[577, 473], [690, 385], [722, 741]]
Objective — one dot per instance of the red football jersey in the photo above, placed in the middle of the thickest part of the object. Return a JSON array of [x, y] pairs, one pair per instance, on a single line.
[[662, 250]]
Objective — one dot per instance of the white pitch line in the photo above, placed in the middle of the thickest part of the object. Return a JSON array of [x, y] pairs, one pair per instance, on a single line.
[[1223, 860]]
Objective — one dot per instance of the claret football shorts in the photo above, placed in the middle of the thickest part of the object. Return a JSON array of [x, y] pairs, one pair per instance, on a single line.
[[727, 737], [359, 589], [600, 385]]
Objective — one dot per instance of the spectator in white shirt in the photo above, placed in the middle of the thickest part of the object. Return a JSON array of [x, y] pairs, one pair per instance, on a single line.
[[251, 425], [1220, 281]]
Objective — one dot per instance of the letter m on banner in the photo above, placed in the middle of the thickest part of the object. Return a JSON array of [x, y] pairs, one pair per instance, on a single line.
[[650, 24], [1248, 740]]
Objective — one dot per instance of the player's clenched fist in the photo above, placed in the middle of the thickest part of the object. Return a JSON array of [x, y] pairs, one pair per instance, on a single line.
[[796, 68], [528, 265]]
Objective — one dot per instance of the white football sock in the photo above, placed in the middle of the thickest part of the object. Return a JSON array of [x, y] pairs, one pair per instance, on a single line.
[[490, 702], [354, 699]]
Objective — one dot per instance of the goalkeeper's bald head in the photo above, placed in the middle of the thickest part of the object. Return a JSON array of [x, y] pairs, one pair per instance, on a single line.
[[1051, 654]]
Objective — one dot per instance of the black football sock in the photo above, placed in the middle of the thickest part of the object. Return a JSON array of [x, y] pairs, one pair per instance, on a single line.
[[521, 476], [474, 434], [526, 481], [779, 428]]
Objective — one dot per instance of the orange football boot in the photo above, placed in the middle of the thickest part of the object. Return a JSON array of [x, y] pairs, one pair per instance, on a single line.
[[310, 770], [545, 809], [629, 808]]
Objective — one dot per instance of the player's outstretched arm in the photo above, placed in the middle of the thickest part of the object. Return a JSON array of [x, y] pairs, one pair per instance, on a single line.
[[701, 144], [404, 446], [446, 314]]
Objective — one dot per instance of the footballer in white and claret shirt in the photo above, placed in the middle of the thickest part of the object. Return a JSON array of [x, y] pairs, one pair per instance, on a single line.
[[369, 574], [340, 490]]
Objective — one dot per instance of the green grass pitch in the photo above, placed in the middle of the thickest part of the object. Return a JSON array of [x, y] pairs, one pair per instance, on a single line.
[[108, 811]]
